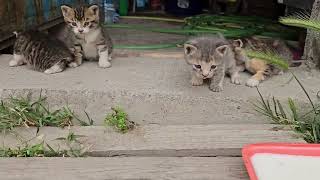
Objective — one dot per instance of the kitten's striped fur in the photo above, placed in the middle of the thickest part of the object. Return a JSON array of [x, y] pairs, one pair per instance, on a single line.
[[85, 37], [40, 52], [211, 58]]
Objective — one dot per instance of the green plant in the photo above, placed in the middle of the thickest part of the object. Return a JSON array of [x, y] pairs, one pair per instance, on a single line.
[[83, 123], [270, 57], [119, 120], [23, 111], [302, 21], [303, 121], [37, 150], [26, 112], [74, 149]]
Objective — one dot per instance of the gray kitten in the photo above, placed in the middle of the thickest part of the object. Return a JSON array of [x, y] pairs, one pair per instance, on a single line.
[[211, 58], [85, 37], [41, 52]]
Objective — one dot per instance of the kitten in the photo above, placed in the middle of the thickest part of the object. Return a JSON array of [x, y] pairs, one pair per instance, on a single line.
[[259, 68], [41, 52], [211, 58], [85, 37]]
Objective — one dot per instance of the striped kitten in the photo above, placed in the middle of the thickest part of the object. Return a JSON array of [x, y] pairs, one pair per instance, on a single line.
[[40, 52], [211, 58], [85, 37]]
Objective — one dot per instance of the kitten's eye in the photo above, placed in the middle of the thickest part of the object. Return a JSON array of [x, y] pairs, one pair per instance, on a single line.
[[213, 67], [197, 66], [86, 24], [74, 24]]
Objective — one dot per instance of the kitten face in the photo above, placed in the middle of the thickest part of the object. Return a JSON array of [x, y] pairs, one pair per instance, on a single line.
[[82, 20], [205, 55]]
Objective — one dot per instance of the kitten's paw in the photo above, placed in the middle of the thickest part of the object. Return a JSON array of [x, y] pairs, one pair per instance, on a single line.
[[13, 63], [216, 88], [252, 83], [54, 69], [49, 71], [73, 65], [104, 64], [196, 82], [236, 80]]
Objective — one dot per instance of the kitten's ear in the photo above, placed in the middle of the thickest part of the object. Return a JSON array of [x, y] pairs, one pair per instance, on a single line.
[[222, 50], [238, 43], [94, 9], [66, 10], [189, 49]]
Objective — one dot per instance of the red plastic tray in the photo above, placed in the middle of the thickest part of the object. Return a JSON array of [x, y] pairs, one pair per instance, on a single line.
[[281, 149]]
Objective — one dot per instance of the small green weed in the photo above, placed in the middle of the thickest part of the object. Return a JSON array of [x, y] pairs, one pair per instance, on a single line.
[[305, 122], [119, 120], [38, 150], [23, 111], [75, 149], [83, 123]]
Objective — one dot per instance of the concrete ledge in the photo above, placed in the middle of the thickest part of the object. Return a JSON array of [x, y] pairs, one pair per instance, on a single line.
[[152, 91], [123, 168], [153, 140]]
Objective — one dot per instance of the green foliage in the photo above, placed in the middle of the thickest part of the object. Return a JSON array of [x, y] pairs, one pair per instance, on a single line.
[[84, 123], [119, 120], [270, 57], [302, 21], [25, 112], [304, 121], [75, 149], [37, 150]]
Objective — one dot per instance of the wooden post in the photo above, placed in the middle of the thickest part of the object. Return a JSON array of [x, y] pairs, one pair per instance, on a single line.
[[312, 45]]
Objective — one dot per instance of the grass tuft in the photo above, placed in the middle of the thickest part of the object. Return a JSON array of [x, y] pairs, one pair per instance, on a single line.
[[22, 111], [305, 121], [119, 120], [74, 149]]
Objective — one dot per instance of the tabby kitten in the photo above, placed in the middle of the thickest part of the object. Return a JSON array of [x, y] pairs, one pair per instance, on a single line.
[[211, 58], [85, 37], [260, 69], [40, 52]]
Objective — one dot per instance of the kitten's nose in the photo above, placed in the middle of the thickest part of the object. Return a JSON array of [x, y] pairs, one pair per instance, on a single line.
[[205, 74], [80, 30]]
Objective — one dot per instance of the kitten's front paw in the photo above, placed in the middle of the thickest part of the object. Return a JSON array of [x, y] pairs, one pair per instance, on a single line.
[[216, 88], [73, 65], [13, 63], [252, 83], [196, 82], [236, 80], [104, 64]]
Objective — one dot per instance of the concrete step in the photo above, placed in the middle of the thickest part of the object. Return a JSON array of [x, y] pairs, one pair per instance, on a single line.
[[193, 168], [152, 91], [158, 141]]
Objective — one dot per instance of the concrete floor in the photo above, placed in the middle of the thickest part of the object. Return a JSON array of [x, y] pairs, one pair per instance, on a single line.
[[153, 91]]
